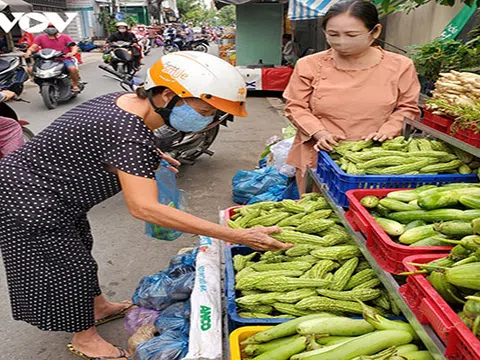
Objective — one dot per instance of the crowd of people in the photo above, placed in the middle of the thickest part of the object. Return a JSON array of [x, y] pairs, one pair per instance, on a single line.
[[352, 91]]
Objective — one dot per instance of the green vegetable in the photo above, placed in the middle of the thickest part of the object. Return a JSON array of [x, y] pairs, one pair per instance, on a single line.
[[381, 323], [332, 340], [294, 265], [406, 349], [318, 303], [472, 202], [300, 250], [447, 291], [257, 299], [414, 224], [360, 278], [283, 283], [268, 220], [338, 326], [455, 228], [337, 253], [343, 275], [418, 355], [438, 200], [290, 310], [370, 202], [249, 281], [298, 238], [357, 294], [395, 205], [282, 330], [315, 226], [430, 241], [417, 234], [391, 227], [295, 295], [368, 344], [257, 349], [284, 352]]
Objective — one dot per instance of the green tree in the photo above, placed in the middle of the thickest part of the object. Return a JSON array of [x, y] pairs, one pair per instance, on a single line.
[[227, 15], [410, 5]]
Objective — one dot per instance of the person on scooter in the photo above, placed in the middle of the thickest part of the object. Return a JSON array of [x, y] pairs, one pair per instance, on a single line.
[[52, 39], [11, 134], [124, 35], [189, 37], [86, 156]]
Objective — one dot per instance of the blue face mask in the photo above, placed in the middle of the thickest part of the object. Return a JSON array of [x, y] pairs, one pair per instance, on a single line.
[[187, 119]]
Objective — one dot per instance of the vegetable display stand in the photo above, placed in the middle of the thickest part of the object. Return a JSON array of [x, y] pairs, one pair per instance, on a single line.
[[339, 182], [437, 122], [239, 335], [388, 253], [234, 320], [430, 308], [424, 331], [457, 141]]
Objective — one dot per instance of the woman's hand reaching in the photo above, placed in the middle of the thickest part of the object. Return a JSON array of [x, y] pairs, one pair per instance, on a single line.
[[258, 239], [377, 136], [325, 140]]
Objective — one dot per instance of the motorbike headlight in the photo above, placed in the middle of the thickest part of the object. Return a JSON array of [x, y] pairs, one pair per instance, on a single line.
[[48, 73]]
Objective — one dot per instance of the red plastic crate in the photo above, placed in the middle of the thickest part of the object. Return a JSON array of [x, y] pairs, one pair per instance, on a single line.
[[430, 308], [228, 213], [387, 253], [468, 136], [438, 122]]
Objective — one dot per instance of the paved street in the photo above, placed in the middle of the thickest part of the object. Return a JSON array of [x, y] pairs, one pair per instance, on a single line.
[[123, 253]]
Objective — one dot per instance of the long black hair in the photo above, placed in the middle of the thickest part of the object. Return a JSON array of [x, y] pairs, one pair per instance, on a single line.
[[363, 10]]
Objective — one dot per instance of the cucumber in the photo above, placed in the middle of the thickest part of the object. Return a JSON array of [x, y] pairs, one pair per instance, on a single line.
[[455, 228], [418, 355], [472, 202], [395, 205], [431, 241], [369, 202], [391, 227], [416, 234], [406, 349], [382, 210], [438, 200], [414, 224]]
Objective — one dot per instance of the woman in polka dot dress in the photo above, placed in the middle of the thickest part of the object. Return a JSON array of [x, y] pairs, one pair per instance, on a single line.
[[89, 154]]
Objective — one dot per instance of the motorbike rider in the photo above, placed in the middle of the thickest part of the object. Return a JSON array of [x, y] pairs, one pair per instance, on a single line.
[[189, 36], [11, 135], [170, 33], [124, 35], [52, 39]]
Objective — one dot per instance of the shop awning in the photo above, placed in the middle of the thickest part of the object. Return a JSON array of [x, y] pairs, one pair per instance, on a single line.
[[313, 9], [15, 6]]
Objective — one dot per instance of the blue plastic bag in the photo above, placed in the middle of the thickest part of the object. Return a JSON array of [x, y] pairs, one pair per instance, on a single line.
[[175, 317], [172, 345], [247, 184], [165, 288], [275, 193], [187, 258], [168, 194]]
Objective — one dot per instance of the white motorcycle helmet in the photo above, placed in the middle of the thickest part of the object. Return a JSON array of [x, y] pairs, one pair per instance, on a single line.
[[200, 75]]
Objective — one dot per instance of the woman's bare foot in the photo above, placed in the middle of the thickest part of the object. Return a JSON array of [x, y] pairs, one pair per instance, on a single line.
[[90, 343], [104, 308]]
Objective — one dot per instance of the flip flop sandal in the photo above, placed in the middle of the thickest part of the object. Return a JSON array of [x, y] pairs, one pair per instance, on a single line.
[[118, 315], [122, 355]]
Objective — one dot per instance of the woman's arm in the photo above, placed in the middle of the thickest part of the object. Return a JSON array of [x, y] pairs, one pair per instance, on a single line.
[[407, 103], [141, 196], [298, 94]]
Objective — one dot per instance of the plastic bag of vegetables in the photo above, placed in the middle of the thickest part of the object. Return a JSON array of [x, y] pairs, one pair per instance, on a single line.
[[168, 194], [172, 345], [175, 317], [138, 317], [165, 288]]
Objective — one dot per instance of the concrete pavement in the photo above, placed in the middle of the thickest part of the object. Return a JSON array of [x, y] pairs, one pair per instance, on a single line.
[[123, 252]]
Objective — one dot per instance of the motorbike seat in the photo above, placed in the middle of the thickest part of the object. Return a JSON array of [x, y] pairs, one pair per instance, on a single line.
[[7, 62]]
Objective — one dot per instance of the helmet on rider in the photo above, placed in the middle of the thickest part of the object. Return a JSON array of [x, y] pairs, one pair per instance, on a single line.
[[201, 83], [122, 26], [51, 30], [140, 27]]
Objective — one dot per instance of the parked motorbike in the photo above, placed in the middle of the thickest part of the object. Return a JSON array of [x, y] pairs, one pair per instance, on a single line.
[[178, 44], [53, 78], [185, 147], [7, 111], [12, 74]]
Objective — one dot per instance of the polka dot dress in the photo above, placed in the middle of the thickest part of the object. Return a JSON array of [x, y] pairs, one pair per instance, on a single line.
[[46, 189]]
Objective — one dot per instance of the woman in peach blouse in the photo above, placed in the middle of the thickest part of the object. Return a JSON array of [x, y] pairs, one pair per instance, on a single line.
[[352, 91]]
